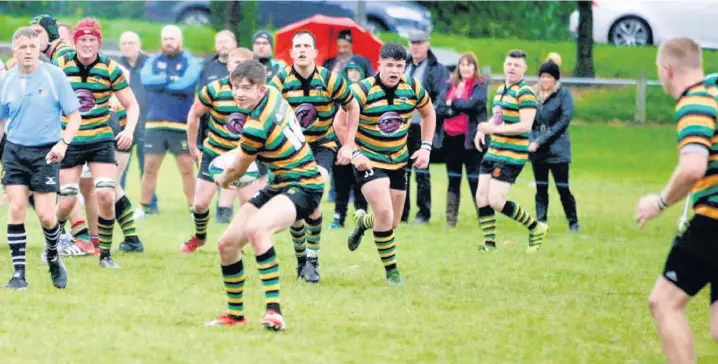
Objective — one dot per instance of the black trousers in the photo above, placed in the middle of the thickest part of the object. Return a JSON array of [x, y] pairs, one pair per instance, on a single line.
[[560, 177], [423, 179], [344, 182], [457, 157]]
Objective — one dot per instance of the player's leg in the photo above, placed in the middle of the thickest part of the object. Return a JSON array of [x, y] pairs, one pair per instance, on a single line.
[[103, 166], [155, 150], [204, 192], [87, 188], [78, 242], [124, 214], [225, 205], [16, 235], [45, 203], [245, 193], [487, 215], [185, 164], [230, 246], [503, 176], [313, 223]]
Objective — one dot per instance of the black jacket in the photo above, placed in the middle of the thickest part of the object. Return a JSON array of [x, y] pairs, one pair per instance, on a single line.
[[433, 81], [362, 61], [474, 107], [138, 89], [550, 128]]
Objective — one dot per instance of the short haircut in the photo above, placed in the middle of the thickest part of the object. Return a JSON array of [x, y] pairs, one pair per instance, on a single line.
[[394, 51], [682, 53], [229, 33], [26, 32], [302, 32], [242, 53], [65, 25], [251, 70], [516, 53]]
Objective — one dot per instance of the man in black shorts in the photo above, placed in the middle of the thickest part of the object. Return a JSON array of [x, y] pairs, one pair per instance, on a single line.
[[33, 97], [693, 260]]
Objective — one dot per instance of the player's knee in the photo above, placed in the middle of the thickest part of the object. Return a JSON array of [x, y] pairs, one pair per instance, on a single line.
[[227, 247], [69, 190], [383, 216], [48, 219], [105, 191], [497, 201], [17, 210], [200, 206], [256, 234]]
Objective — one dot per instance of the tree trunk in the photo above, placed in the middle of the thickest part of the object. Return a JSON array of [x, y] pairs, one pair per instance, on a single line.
[[233, 16], [584, 43], [248, 24]]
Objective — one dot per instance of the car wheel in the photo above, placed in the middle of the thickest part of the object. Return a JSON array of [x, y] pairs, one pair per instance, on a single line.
[[630, 31], [195, 17]]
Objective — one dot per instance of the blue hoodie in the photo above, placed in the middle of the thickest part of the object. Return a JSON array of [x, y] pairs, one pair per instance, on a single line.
[[170, 83]]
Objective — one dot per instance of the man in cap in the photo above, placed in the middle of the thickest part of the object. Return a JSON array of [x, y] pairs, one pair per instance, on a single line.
[[345, 55], [263, 48]]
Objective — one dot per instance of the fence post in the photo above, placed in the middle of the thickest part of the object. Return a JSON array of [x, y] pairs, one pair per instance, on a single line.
[[641, 86]]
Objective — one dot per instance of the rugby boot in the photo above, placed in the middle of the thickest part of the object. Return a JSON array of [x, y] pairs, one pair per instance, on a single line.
[[226, 320], [191, 245], [273, 320], [58, 273], [357, 233]]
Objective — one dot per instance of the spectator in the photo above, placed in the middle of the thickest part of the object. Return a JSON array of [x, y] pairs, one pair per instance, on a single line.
[[66, 31], [52, 46], [422, 65], [133, 59], [263, 48], [463, 103], [170, 79], [550, 147], [214, 69], [346, 55]]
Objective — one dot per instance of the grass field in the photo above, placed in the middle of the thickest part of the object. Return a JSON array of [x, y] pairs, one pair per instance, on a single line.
[[581, 299]]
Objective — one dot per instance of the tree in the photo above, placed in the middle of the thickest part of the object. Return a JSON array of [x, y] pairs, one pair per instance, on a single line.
[[584, 43]]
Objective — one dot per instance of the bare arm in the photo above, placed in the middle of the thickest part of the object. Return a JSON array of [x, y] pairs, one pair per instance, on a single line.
[[351, 123], [691, 168], [128, 100], [428, 121], [73, 125], [198, 109], [239, 165], [524, 126]]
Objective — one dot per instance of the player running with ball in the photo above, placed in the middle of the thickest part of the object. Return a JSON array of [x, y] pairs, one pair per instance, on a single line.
[[387, 102], [315, 93], [215, 98], [514, 111], [271, 135]]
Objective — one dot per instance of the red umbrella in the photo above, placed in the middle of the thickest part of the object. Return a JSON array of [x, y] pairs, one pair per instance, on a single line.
[[326, 29]]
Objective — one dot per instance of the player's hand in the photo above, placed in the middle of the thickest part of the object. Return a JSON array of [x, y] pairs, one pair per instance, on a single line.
[[194, 152], [362, 162], [57, 153], [533, 146], [124, 140], [344, 156], [221, 180], [487, 128], [479, 139], [647, 209], [421, 158]]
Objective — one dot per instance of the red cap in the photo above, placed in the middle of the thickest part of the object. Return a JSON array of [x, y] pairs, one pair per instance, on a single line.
[[87, 26]]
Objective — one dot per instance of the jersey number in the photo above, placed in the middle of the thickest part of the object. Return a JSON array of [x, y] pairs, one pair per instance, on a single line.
[[293, 132]]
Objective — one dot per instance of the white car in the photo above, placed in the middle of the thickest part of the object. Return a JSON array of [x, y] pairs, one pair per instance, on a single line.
[[632, 22]]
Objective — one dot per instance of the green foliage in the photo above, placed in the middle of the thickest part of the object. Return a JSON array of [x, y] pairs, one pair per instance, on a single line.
[[531, 20], [248, 24]]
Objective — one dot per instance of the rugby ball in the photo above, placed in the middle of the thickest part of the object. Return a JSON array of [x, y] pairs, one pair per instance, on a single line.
[[222, 162]]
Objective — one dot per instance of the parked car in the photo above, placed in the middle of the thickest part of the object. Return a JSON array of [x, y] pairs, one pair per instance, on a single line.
[[636, 23], [393, 16]]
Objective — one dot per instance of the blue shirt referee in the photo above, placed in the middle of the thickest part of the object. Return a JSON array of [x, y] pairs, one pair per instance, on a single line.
[[33, 97]]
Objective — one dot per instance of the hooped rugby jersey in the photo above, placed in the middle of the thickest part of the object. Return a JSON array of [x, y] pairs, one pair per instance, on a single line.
[[511, 149], [223, 110]]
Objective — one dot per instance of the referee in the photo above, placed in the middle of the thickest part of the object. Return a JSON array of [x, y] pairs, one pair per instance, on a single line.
[[33, 97]]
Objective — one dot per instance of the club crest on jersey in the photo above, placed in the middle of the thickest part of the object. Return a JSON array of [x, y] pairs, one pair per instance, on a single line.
[[306, 114], [235, 123], [403, 100], [40, 92], [87, 100], [389, 123]]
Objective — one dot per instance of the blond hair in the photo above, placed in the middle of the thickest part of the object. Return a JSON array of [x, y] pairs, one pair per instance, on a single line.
[[555, 58], [682, 53], [242, 53]]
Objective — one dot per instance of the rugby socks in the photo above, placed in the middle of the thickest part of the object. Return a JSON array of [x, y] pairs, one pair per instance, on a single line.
[[234, 278], [300, 246], [79, 230], [367, 221], [201, 219], [104, 229], [17, 239], [268, 266], [52, 235], [516, 212], [487, 222], [61, 222], [386, 246], [314, 231], [125, 216]]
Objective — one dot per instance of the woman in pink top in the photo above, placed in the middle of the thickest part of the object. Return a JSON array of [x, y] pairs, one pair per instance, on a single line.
[[463, 107]]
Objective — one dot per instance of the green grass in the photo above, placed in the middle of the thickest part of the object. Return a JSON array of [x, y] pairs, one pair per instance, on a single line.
[[581, 299]]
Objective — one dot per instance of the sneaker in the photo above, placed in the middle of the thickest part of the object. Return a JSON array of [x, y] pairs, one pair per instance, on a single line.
[[536, 237], [573, 227], [358, 232], [394, 278], [131, 244], [191, 245], [310, 272], [272, 320], [58, 273], [225, 320], [336, 224], [17, 282], [300, 266], [107, 262]]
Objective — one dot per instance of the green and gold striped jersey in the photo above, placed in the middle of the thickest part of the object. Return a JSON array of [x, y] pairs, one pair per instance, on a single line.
[[696, 115], [272, 132], [385, 118], [512, 149], [315, 101], [217, 97], [93, 85]]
